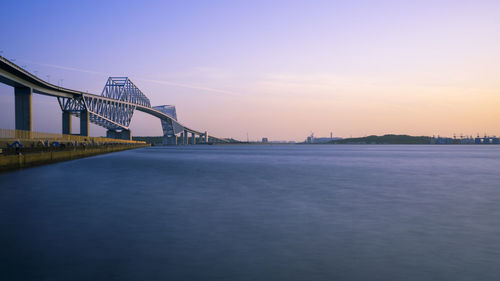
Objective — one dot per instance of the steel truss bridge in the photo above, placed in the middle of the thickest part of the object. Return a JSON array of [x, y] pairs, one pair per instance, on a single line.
[[113, 109]]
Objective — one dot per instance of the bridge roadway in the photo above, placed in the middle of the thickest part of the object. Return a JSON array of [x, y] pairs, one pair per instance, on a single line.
[[27, 83]]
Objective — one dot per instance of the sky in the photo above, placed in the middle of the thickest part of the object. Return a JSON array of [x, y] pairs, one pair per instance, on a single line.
[[275, 69]]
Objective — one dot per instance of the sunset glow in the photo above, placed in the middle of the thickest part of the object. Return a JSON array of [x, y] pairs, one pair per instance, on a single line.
[[280, 70]]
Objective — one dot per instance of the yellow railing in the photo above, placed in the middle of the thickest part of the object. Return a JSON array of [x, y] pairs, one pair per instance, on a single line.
[[20, 134]]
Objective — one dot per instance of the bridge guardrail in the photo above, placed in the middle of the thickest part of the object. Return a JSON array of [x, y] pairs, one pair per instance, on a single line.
[[33, 135]]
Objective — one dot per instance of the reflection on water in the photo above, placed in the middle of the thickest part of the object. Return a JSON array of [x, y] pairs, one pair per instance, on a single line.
[[256, 213]]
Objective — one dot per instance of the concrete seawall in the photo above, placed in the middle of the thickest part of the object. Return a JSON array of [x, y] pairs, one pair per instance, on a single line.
[[12, 162]]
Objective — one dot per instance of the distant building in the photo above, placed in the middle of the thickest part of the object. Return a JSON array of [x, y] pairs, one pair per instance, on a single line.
[[312, 139], [265, 140], [487, 140], [442, 140], [466, 140]]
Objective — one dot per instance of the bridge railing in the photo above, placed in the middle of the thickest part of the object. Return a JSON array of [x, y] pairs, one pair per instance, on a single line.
[[32, 135]]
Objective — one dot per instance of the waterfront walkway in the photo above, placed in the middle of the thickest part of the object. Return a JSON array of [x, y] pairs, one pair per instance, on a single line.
[[21, 149]]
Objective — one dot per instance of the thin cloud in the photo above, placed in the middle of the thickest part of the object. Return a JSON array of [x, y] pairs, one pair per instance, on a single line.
[[188, 86], [67, 68], [164, 82]]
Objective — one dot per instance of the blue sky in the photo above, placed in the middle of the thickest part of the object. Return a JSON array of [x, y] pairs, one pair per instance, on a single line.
[[277, 69]]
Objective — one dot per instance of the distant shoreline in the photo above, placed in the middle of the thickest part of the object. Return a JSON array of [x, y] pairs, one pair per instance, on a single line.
[[385, 139]]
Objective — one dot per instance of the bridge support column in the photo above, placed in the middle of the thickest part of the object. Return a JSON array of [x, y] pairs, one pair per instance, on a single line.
[[185, 139], [169, 140], [111, 134], [66, 123], [193, 138], [169, 137], [24, 108], [126, 135], [205, 137], [84, 123]]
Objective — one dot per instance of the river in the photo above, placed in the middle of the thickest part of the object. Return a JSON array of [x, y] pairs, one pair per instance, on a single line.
[[263, 212]]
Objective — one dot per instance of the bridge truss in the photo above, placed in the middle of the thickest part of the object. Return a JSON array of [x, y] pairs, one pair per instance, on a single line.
[[114, 108]]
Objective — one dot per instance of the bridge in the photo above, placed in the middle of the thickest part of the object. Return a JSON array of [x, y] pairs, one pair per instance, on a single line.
[[113, 109]]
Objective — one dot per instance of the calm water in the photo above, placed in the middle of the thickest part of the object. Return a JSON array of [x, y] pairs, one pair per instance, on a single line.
[[256, 213]]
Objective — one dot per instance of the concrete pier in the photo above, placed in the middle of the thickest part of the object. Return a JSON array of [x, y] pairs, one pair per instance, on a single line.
[[169, 140], [193, 138], [125, 135], [24, 108], [84, 123], [120, 135], [66, 123]]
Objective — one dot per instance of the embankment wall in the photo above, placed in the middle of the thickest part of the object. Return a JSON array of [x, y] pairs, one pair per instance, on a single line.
[[11, 162]]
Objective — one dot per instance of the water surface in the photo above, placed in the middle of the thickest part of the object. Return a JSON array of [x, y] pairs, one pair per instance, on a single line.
[[294, 212]]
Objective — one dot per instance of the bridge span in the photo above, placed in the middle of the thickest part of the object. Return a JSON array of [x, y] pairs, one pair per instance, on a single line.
[[113, 109]]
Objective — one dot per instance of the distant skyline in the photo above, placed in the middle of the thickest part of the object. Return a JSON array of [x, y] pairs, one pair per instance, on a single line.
[[275, 69]]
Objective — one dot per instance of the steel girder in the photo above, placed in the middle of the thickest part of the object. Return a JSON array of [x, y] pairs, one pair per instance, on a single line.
[[112, 110], [168, 110], [72, 105], [122, 89], [112, 115]]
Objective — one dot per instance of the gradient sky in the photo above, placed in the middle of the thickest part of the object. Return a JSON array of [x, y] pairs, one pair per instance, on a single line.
[[276, 69]]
